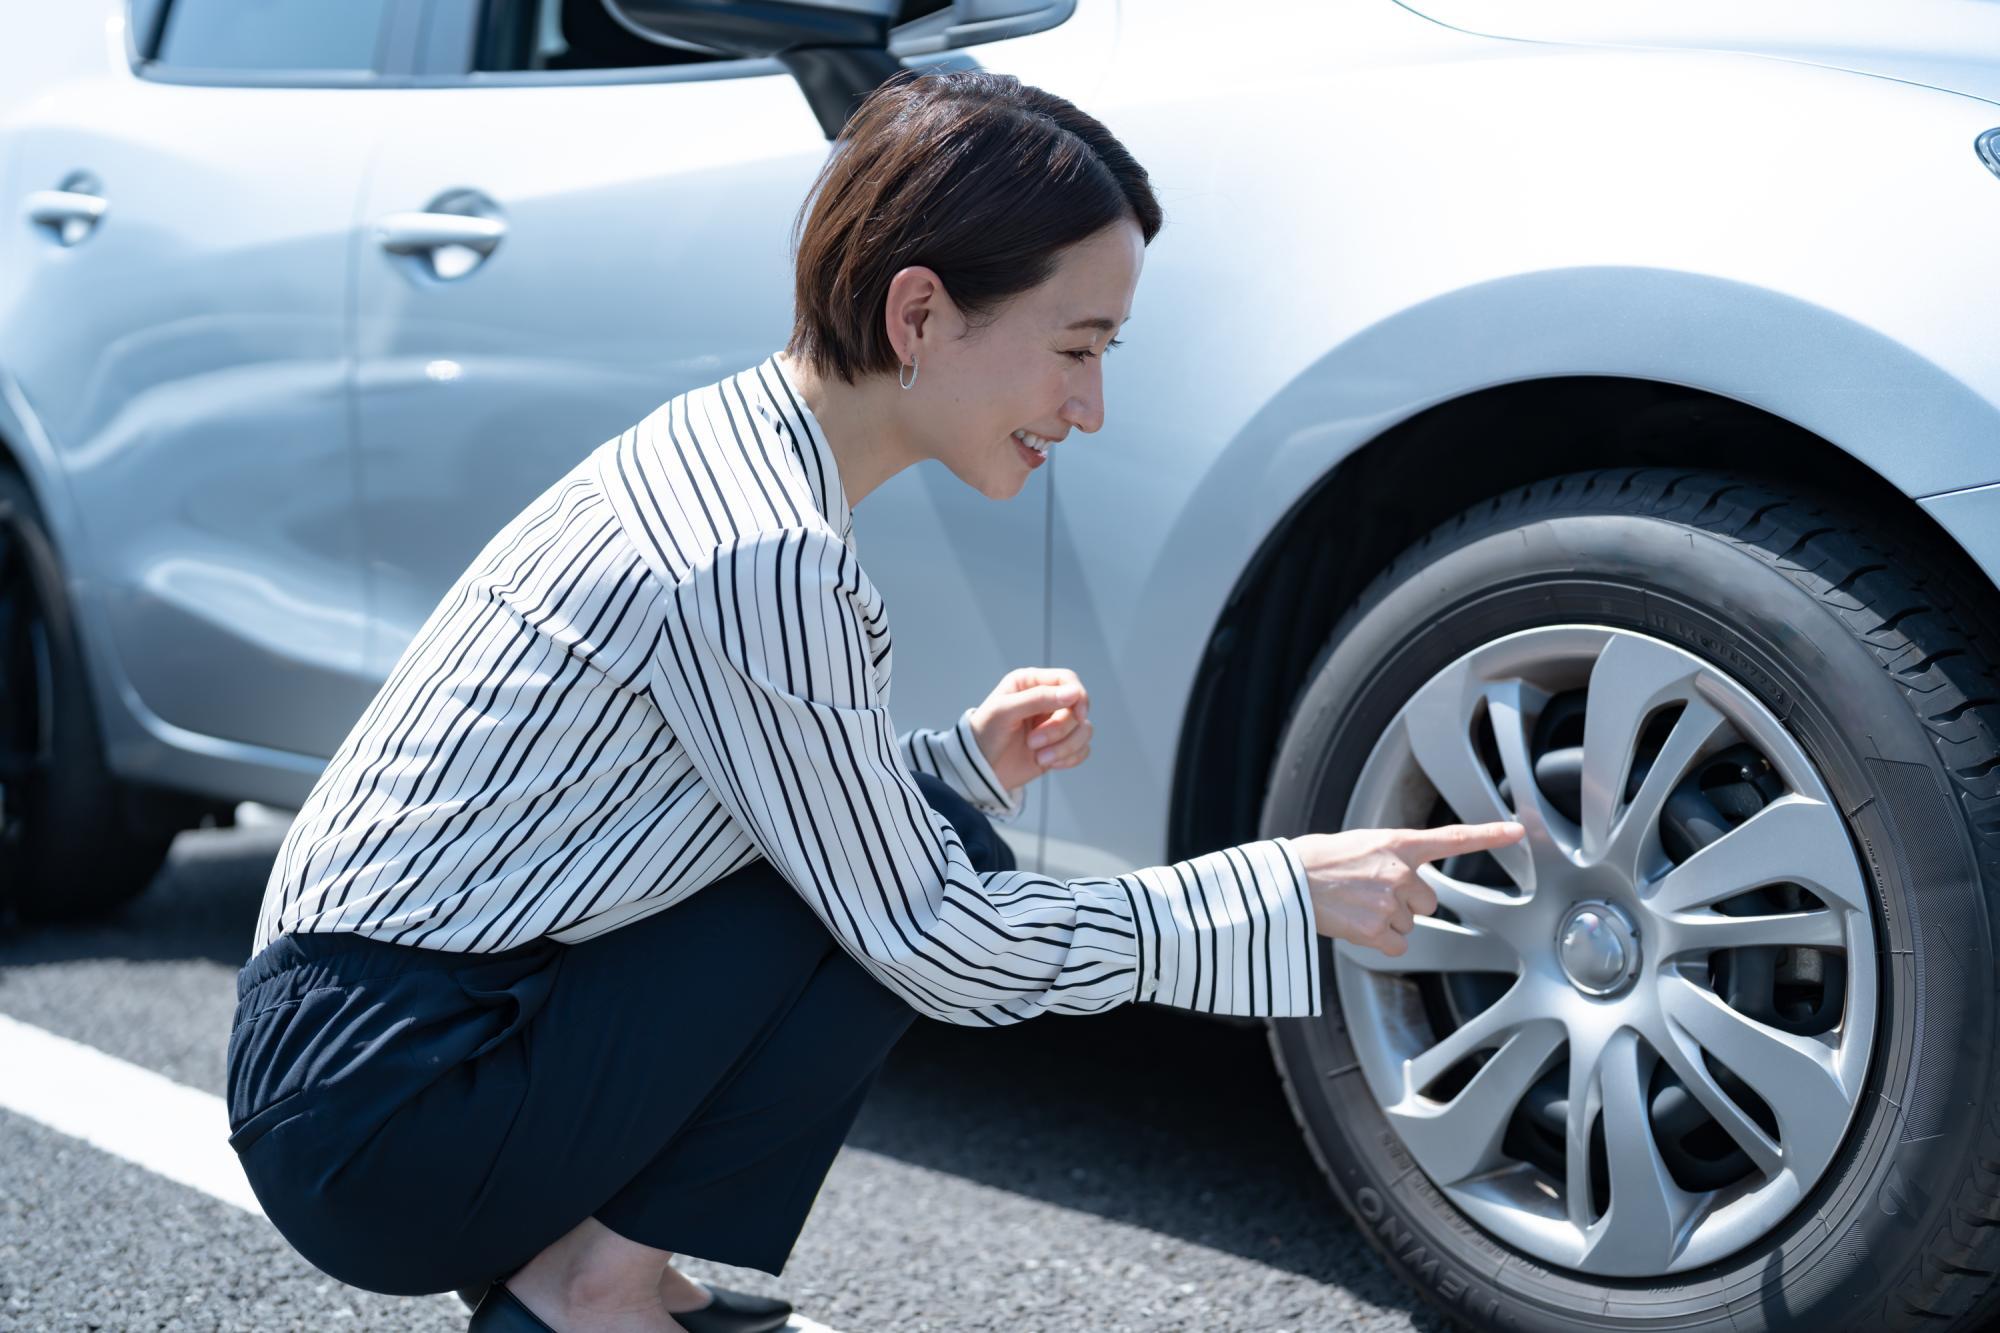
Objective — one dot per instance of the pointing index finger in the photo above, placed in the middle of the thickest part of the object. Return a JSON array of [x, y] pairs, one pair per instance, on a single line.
[[1421, 845]]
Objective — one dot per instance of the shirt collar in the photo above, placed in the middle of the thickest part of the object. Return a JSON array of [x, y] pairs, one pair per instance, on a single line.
[[809, 445]]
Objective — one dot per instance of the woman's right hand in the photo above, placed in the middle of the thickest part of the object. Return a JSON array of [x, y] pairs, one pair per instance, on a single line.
[[1364, 882]]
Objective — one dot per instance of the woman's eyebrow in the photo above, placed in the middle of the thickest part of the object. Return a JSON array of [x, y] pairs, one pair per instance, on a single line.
[[1099, 323]]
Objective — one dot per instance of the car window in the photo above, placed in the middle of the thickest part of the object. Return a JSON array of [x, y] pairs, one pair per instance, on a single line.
[[271, 34], [516, 35], [564, 34]]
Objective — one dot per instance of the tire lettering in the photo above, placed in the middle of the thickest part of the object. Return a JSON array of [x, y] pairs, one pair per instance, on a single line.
[[1452, 1286], [1751, 673]]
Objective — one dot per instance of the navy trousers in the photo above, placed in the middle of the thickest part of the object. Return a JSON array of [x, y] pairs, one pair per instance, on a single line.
[[418, 1121]]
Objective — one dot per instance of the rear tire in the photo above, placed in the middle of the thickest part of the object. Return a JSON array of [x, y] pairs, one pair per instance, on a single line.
[[75, 843], [1889, 688]]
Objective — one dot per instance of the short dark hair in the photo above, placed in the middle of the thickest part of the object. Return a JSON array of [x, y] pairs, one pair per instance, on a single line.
[[975, 175]]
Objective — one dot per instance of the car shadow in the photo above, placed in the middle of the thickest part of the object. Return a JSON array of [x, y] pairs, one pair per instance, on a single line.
[[1148, 1116]]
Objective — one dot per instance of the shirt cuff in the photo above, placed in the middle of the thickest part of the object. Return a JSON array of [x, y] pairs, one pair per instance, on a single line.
[[975, 779], [1228, 932]]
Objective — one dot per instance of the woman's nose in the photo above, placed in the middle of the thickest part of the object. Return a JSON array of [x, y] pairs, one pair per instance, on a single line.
[[1086, 414]]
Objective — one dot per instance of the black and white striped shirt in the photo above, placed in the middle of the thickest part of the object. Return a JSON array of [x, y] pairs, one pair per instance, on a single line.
[[671, 663]]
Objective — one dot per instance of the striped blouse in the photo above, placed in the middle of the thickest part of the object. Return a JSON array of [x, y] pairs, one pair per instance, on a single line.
[[671, 663]]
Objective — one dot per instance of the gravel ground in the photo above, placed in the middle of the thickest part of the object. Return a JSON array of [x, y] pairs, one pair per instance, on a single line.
[[1137, 1170]]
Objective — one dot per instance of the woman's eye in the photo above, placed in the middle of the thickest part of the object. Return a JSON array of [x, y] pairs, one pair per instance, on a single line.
[[1086, 353]]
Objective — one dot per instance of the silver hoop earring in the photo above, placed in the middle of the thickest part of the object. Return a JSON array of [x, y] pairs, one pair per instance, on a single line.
[[913, 374]]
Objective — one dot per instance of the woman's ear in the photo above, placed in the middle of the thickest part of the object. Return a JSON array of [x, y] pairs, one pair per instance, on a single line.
[[918, 310]]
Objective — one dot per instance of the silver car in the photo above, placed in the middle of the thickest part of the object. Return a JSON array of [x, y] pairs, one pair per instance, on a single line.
[[1589, 414]]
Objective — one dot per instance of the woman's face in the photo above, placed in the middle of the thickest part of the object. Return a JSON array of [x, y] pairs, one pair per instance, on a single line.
[[1037, 367]]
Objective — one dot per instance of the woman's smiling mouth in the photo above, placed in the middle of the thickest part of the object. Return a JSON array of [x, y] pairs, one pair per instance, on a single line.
[[1033, 447]]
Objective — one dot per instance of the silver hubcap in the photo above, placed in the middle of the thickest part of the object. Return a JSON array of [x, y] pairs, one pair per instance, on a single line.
[[1629, 1044], [1598, 947]]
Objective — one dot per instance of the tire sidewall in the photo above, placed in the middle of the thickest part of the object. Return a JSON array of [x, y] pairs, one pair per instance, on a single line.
[[1840, 1253], [74, 822]]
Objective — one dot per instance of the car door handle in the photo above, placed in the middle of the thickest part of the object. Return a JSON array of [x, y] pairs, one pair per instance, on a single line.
[[420, 233], [69, 215]]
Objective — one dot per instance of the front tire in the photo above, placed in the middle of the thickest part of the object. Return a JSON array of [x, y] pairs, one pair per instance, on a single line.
[[1757, 1094]]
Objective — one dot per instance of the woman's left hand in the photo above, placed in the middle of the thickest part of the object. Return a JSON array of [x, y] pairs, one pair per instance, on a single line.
[[1036, 720]]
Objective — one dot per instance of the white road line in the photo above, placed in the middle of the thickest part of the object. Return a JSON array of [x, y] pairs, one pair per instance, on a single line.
[[169, 1128]]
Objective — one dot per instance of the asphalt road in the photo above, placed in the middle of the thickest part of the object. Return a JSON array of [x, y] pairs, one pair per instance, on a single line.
[[1137, 1170]]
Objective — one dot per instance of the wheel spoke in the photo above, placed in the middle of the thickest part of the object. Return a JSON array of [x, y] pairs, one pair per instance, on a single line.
[[1440, 946], [1796, 1076], [1463, 1137], [1586, 1051], [1793, 840], [1438, 723], [1634, 844], [1510, 707], [1638, 1234], [1685, 1059], [1494, 912], [1705, 932], [1482, 1030], [1630, 679]]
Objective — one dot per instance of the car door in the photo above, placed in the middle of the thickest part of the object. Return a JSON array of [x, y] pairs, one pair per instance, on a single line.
[[545, 259], [559, 238], [181, 334]]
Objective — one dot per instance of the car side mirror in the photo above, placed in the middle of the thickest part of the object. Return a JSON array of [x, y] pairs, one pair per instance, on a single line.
[[838, 50], [972, 22]]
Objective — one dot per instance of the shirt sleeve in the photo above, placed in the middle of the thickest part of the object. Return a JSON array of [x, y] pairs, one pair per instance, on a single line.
[[952, 755], [763, 673]]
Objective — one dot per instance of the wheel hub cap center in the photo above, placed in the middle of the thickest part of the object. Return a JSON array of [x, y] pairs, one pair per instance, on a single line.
[[1598, 947]]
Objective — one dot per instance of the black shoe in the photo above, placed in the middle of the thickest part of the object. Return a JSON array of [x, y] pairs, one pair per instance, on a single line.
[[501, 1311], [736, 1312]]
